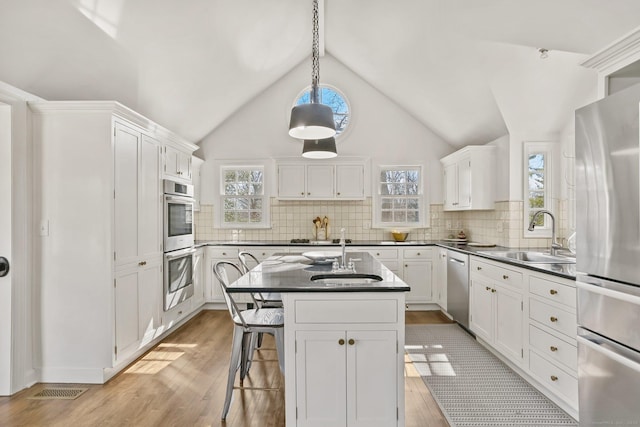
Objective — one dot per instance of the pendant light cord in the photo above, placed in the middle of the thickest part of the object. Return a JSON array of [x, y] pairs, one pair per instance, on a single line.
[[315, 53]]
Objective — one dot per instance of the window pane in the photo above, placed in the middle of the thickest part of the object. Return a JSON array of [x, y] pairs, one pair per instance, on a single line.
[[242, 203], [413, 176], [536, 200], [536, 171], [256, 204], [399, 203], [229, 176], [229, 217], [243, 216], [387, 203], [412, 189], [229, 203], [399, 216], [256, 176], [256, 216], [413, 216], [413, 204], [539, 220], [386, 216], [230, 189], [257, 189]]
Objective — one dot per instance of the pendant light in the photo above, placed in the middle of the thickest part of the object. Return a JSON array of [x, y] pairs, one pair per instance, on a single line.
[[319, 149], [313, 121]]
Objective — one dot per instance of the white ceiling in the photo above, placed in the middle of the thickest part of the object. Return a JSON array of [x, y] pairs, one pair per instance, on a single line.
[[191, 64]]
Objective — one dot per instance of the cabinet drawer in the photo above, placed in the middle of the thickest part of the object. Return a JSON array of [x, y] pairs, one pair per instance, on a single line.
[[554, 378], [263, 253], [351, 311], [222, 253], [553, 317], [499, 274], [418, 253], [384, 253], [554, 348], [553, 291]]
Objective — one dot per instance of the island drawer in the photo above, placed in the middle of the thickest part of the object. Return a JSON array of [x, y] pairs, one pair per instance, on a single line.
[[554, 348], [349, 311], [553, 291]]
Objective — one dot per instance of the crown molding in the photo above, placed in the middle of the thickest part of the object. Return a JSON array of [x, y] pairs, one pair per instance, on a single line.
[[619, 53]]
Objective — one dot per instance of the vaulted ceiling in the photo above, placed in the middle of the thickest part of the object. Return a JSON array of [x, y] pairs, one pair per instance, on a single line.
[[191, 64]]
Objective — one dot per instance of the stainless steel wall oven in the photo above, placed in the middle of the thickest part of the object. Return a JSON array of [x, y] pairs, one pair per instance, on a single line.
[[178, 215], [178, 277]]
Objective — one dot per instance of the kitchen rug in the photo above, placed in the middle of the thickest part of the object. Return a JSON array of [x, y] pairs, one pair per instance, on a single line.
[[472, 386]]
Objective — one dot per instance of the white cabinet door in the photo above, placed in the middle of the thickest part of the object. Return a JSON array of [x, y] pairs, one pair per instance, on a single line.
[[508, 320], [291, 181], [368, 361], [464, 183], [450, 181], [349, 181], [149, 199], [196, 165], [372, 361], [149, 299], [320, 183], [321, 370], [177, 164], [126, 142], [481, 309], [440, 278], [126, 314], [418, 275]]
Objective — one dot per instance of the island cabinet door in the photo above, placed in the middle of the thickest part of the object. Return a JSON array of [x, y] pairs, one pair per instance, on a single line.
[[347, 378], [372, 366], [321, 389]]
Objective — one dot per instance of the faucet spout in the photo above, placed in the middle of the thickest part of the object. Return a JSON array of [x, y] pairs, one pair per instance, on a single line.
[[532, 224]]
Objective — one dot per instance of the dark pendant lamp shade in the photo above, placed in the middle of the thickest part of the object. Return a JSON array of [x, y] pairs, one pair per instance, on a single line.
[[319, 149], [312, 121]]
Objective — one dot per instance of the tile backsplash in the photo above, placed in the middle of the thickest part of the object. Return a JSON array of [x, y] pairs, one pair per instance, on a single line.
[[293, 220]]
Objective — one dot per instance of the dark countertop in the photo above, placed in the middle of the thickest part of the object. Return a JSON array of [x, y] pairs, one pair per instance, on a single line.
[[292, 273], [567, 271]]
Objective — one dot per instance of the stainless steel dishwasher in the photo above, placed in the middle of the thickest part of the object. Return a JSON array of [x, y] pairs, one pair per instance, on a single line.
[[458, 287]]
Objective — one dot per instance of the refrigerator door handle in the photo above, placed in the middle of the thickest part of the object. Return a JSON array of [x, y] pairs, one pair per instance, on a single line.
[[620, 293], [610, 349]]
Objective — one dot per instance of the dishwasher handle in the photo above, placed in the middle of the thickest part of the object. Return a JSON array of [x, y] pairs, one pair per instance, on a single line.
[[458, 261]]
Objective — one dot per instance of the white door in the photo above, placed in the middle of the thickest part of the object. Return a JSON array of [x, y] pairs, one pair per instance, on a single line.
[[5, 250], [320, 181], [450, 186], [481, 309], [349, 181], [291, 181], [509, 319]]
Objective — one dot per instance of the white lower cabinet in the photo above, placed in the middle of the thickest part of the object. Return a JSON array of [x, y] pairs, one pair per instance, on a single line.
[[137, 307], [496, 307], [417, 272], [346, 378], [440, 277], [213, 292], [345, 359]]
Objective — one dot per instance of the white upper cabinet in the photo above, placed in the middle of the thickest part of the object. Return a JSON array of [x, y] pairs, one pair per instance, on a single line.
[[468, 179], [177, 163], [320, 181], [196, 164]]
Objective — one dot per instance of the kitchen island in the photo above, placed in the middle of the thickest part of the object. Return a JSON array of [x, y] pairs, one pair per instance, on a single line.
[[344, 341]]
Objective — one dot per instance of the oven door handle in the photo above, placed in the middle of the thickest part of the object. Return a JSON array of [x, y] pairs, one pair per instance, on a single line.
[[610, 349], [181, 254], [179, 199]]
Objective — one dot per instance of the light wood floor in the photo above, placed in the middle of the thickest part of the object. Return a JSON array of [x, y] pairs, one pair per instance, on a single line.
[[181, 382]]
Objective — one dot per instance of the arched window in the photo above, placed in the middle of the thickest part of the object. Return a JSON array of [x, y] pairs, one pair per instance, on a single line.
[[335, 99]]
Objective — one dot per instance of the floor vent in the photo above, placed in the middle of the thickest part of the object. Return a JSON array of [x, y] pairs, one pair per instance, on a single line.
[[58, 393]]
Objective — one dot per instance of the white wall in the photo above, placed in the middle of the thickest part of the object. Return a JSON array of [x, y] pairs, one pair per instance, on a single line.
[[379, 128]]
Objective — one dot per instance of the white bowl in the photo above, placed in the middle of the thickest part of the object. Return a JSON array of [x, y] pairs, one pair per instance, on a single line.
[[322, 256]]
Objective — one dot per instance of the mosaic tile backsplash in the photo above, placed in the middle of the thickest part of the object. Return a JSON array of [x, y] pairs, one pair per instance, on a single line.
[[293, 220]]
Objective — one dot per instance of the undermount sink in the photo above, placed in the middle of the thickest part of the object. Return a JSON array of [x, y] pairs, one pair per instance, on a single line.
[[339, 279], [531, 257]]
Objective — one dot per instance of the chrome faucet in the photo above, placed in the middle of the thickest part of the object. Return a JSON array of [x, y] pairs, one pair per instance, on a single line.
[[554, 243], [343, 244]]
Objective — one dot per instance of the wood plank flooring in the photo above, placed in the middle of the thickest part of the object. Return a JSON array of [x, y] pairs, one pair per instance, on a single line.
[[181, 382]]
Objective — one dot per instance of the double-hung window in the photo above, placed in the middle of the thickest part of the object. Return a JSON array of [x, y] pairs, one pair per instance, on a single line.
[[244, 203], [399, 200]]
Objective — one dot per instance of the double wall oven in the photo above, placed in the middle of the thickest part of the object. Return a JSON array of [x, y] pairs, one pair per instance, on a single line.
[[178, 243]]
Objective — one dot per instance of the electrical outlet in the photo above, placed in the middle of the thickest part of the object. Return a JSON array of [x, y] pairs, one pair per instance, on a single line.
[[448, 225], [44, 227]]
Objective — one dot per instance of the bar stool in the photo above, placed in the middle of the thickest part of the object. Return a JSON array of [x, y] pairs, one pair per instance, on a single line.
[[268, 300], [246, 324]]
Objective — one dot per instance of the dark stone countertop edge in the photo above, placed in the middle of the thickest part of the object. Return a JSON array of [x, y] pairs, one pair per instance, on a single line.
[[568, 270]]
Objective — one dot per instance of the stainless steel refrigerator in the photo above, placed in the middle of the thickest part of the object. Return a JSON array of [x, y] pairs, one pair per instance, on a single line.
[[608, 259]]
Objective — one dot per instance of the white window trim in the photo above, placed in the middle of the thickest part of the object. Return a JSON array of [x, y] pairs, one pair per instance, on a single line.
[[266, 203], [375, 205], [549, 149]]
